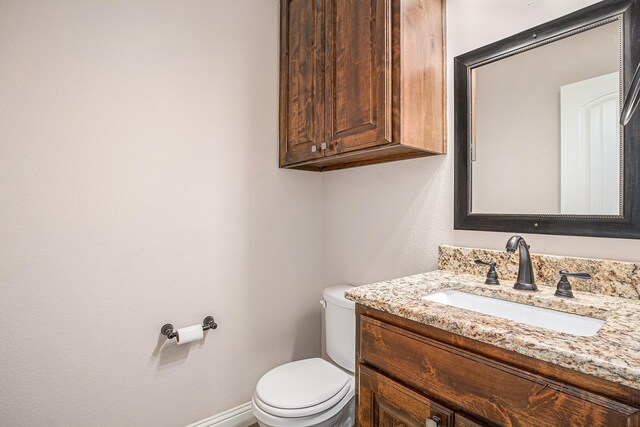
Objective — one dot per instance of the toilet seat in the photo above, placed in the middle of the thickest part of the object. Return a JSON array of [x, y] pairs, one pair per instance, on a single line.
[[303, 392], [302, 387], [305, 411]]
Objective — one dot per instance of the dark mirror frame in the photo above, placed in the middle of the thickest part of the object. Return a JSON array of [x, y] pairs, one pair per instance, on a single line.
[[627, 225]]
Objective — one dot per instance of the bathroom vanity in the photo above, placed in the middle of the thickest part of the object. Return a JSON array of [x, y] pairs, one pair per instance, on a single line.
[[422, 362], [410, 373]]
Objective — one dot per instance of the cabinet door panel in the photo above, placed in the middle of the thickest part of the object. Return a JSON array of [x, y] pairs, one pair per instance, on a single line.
[[383, 402], [302, 105], [359, 85]]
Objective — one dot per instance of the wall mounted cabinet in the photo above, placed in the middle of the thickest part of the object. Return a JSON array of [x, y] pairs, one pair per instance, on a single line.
[[361, 82]]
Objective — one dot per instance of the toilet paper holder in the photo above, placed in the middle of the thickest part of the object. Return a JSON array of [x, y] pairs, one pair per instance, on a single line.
[[207, 323]]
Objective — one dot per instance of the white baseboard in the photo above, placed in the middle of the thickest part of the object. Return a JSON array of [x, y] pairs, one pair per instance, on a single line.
[[240, 416]]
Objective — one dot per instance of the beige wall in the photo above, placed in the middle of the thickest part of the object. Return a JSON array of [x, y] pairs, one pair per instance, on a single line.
[[138, 186], [387, 221], [517, 120]]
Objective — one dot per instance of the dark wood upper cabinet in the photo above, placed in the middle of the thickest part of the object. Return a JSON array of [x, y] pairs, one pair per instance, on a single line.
[[361, 82]]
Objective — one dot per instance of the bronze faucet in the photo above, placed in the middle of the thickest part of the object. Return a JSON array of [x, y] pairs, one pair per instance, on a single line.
[[526, 281]]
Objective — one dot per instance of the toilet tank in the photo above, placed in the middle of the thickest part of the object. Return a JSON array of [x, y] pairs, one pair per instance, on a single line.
[[340, 327]]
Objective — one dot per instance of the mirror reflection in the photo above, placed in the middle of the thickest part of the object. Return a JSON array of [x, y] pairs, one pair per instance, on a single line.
[[545, 133]]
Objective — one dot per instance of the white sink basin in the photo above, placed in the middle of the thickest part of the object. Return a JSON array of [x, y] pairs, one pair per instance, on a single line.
[[522, 313]]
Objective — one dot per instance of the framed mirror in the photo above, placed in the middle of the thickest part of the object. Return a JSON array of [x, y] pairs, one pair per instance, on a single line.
[[540, 145]]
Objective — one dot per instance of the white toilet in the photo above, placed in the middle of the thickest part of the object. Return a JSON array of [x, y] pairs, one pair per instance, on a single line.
[[314, 392]]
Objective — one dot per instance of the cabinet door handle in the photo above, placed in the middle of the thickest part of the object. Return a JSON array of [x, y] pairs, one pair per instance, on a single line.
[[434, 422], [314, 148], [323, 146]]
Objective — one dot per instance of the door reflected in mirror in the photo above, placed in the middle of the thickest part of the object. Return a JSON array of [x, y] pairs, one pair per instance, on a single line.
[[545, 133]]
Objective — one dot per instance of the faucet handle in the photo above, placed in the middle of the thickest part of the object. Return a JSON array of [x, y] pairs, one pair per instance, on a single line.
[[583, 276], [492, 275], [564, 287], [489, 264]]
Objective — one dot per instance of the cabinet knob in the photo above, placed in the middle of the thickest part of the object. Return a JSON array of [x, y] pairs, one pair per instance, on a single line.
[[434, 422], [314, 148], [323, 146]]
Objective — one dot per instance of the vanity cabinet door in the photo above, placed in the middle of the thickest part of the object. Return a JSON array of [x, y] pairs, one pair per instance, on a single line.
[[359, 74], [383, 402], [302, 106]]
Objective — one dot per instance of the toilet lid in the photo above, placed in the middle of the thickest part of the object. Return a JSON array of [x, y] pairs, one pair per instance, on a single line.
[[302, 384]]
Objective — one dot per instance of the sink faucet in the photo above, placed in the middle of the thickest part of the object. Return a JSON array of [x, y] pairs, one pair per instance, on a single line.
[[525, 281]]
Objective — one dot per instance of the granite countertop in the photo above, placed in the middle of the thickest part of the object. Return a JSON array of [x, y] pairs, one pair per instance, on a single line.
[[612, 354]]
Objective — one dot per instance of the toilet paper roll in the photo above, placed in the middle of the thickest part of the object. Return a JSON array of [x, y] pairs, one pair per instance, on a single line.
[[189, 334]]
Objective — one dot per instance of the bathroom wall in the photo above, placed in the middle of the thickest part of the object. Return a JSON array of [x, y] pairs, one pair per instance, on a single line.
[[138, 186], [387, 221]]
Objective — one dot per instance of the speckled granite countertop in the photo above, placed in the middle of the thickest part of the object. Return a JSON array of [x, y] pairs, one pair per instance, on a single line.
[[612, 354]]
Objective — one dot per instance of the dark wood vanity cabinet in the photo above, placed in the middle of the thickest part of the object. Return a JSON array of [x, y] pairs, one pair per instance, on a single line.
[[361, 82], [410, 374]]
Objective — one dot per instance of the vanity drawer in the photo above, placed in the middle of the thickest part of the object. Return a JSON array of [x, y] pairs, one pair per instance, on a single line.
[[483, 388]]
